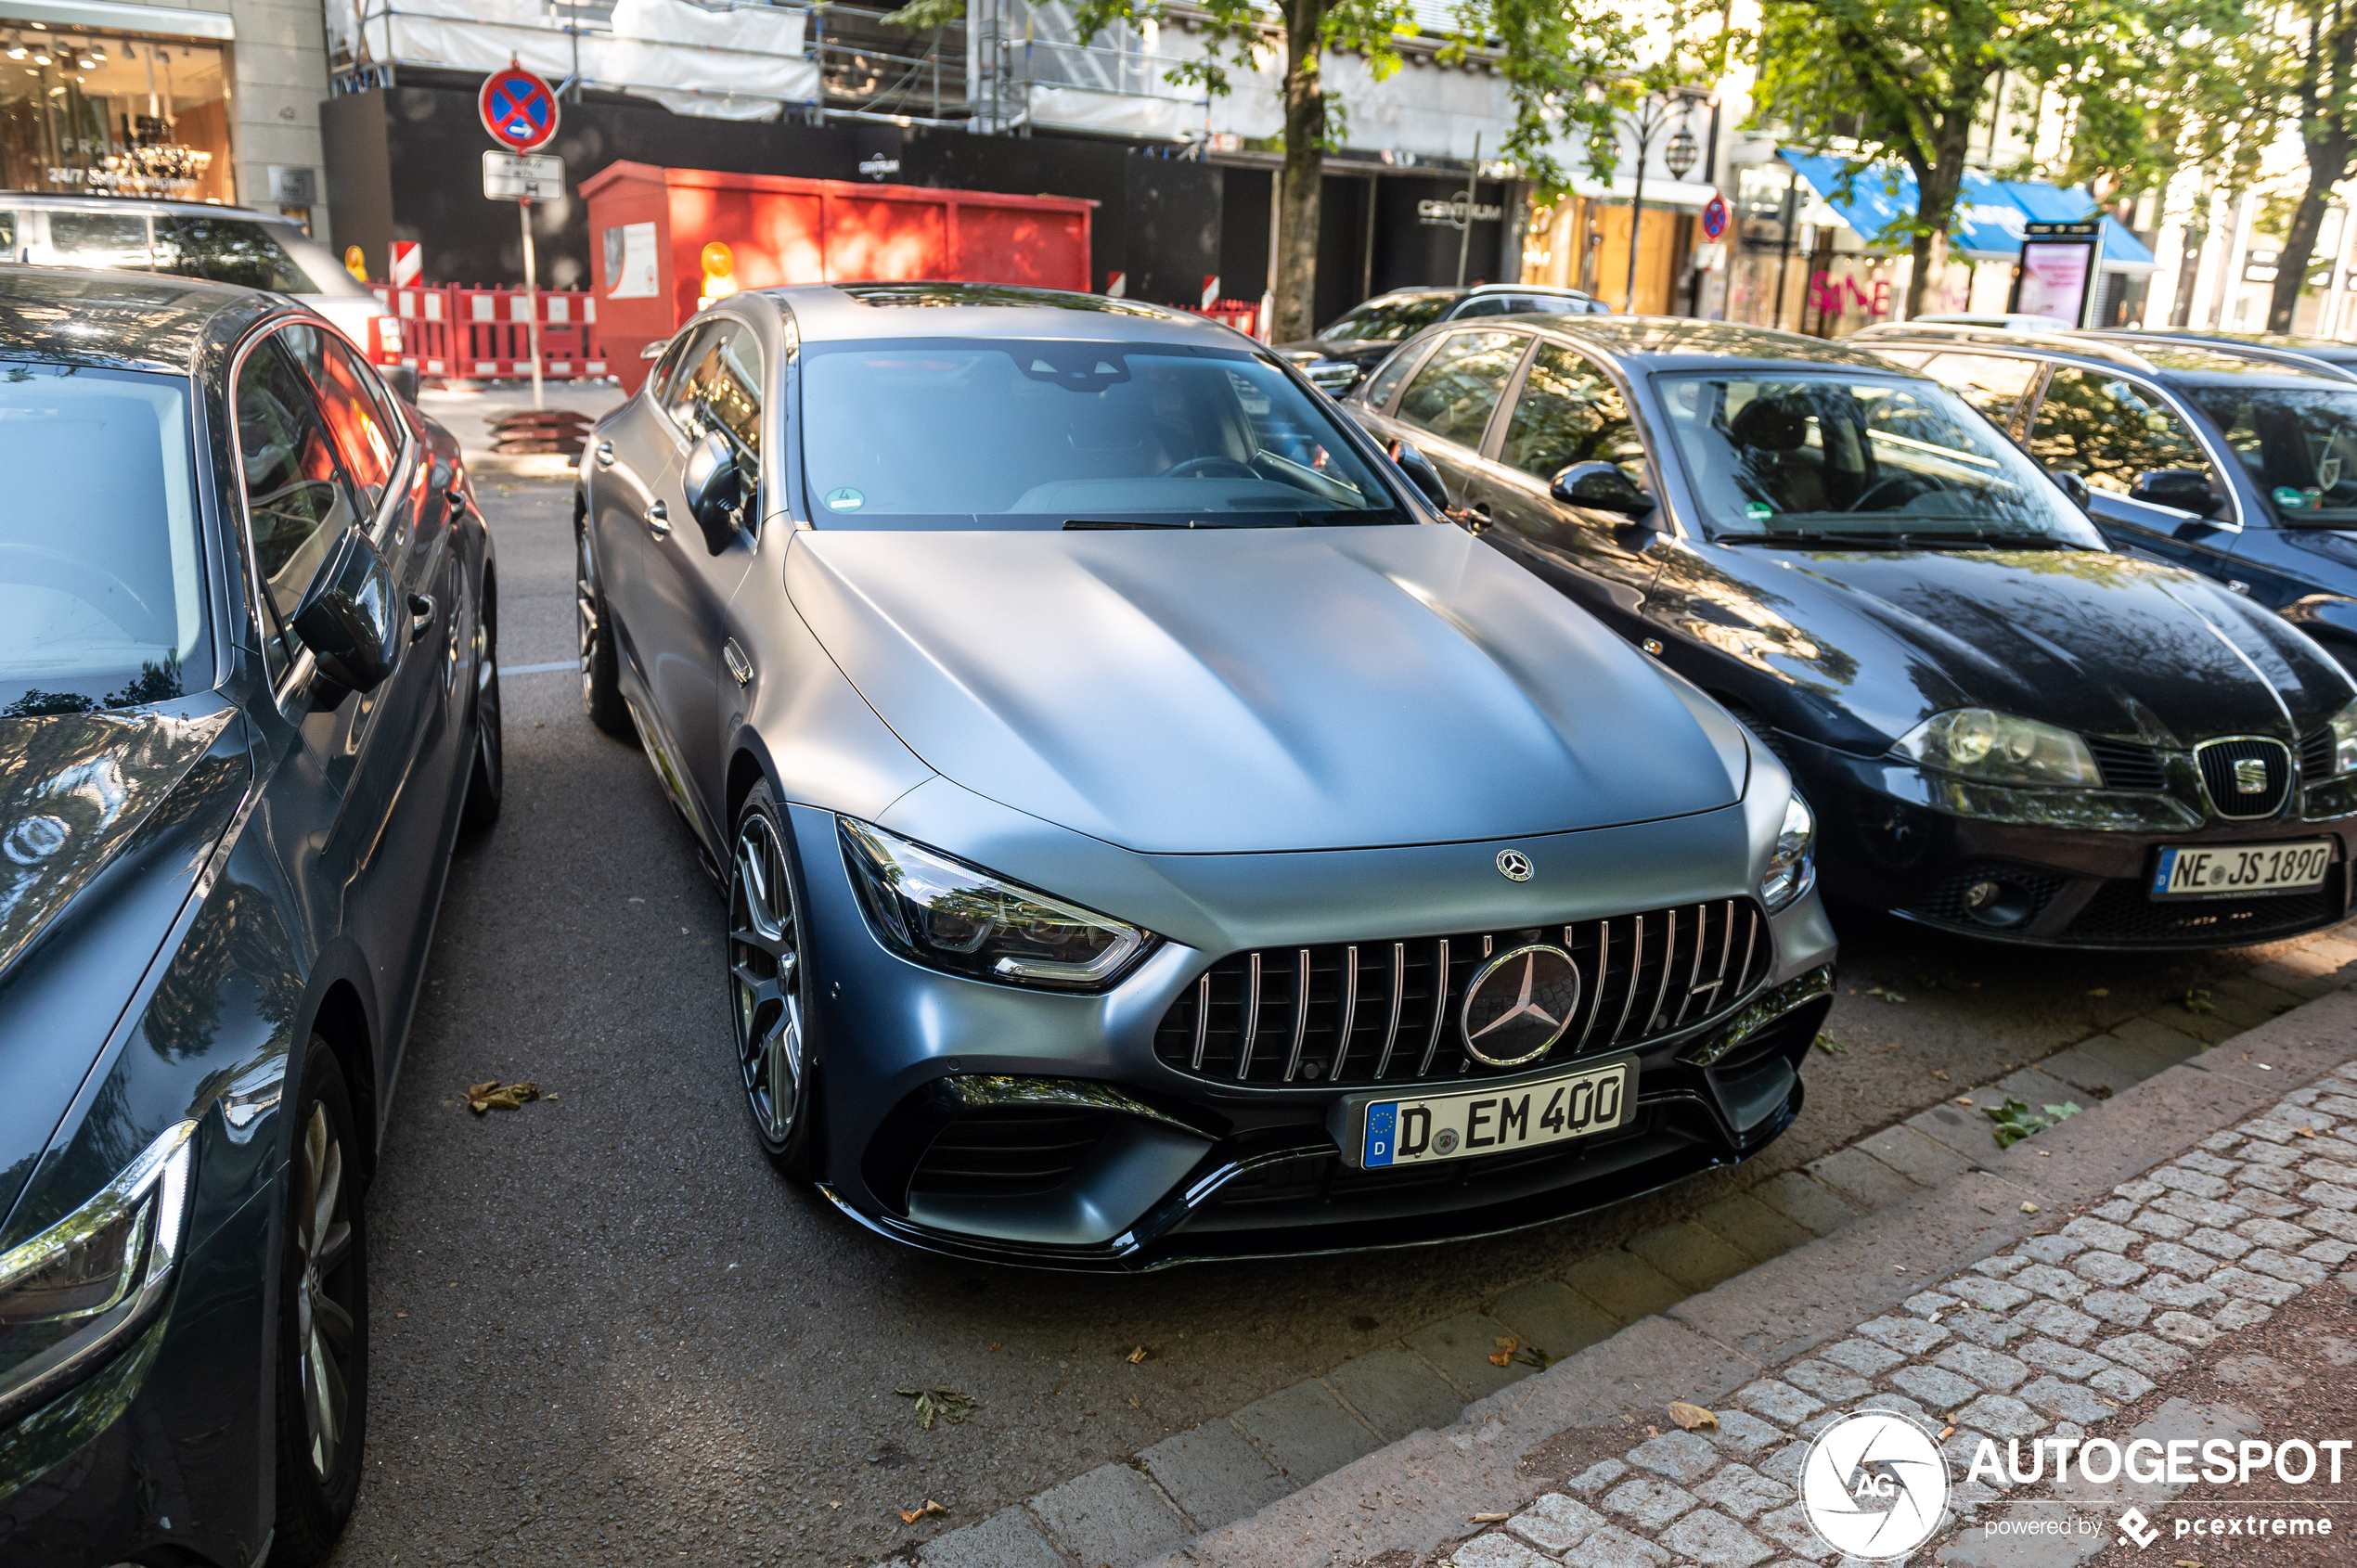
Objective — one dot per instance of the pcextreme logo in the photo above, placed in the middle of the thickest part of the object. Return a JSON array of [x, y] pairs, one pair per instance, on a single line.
[[1874, 1486]]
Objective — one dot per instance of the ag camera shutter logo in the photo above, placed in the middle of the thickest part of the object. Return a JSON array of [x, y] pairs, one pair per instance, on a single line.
[[1874, 1486]]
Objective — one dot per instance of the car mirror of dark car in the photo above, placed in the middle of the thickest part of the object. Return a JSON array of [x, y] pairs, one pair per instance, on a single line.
[[1421, 473], [2070, 484], [1601, 487], [2185, 490], [714, 486], [347, 621]]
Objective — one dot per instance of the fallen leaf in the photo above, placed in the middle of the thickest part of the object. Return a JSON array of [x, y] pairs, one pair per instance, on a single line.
[[834, 1505], [2303, 1132], [994, 1347], [1885, 993], [1488, 1518], [2196, 1000], [494, 1095], [401, 1315], [1941, 1075], [2100, 991], [1690, 1417], [1506, 1345], [1652, 1432], [1136, 1355], [951, 1404], [1831, 1046], [923, 1510], [2113, 1403], [2028, 1208], [1964, 1100], [1531, 1356]]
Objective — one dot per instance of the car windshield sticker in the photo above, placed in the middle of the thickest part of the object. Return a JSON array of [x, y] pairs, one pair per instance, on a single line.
[[1758, 511], [846, 499], [2288, 498]]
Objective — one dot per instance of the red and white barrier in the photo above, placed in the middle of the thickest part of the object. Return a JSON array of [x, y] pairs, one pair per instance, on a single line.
[[482, 334]]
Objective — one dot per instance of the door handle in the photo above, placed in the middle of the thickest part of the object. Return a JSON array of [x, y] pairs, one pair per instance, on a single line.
[[605, 454], [659, 520], [740, 667], [1476, 517], [421, 616]]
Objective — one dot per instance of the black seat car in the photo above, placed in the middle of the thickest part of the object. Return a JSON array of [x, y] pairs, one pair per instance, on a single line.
[[246, 704], [2236, 462], [2005, 729], [1350, 346]]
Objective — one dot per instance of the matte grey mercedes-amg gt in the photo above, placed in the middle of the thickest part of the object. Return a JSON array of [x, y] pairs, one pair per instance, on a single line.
[[1150, 831]]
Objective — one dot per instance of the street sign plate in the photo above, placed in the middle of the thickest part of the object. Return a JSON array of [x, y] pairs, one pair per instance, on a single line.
[[519, 110], [1714, 216], [508, 176]]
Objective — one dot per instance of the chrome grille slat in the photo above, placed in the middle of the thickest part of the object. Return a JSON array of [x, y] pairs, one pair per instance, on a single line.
[[1694, 971], [1596, 989], [1300, 1013], [1350, 1012], [1439, 1009], [1668, 961], [1203, 1020], [1252, 1022], [1636, 963], [1391, 1030], [1751, 941]]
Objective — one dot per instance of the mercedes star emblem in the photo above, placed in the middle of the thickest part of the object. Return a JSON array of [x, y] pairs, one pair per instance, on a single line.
[[1519, 1004], [1514, 865]]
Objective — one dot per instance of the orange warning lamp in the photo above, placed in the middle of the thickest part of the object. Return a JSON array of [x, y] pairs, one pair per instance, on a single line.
[[355, 264], [719, 274]]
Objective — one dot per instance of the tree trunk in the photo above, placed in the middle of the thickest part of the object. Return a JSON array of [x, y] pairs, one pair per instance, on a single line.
[[1936, 192], [2291, 267], [1297, 281]]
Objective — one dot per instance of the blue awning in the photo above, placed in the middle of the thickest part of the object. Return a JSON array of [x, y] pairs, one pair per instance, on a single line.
[[1992, 217]]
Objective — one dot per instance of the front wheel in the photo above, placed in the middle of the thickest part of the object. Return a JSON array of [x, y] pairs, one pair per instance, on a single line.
[[487, 778], [323, 1320], [601, 677], [770, 989]]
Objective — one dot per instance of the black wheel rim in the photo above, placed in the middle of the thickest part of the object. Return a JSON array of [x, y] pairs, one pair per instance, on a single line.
[[585, 608], [487, 736], [322, 1225], [764, 979]]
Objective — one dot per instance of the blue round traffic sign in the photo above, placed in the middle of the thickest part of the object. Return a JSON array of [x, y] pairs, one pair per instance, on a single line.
[[519, 110]]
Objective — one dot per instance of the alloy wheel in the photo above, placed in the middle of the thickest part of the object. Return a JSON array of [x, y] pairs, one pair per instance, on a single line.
[[323, 1326], [585, 608], [764, 979]]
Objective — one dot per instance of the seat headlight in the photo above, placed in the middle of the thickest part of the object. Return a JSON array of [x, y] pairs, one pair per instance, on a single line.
[[71, 1292], [2001, 749], [1793, 865], [2344, 728], [960, 918]]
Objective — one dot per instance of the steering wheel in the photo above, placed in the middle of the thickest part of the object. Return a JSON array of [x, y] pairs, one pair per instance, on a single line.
[[45, 567], [1203, 468], [1896, 479]]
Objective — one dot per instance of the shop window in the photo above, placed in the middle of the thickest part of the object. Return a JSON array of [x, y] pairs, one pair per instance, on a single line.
[[115, 114]]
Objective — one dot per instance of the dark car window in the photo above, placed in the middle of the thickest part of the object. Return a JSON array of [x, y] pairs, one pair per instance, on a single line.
[[1990, 382], [2299, 445], [1387, 320], [720, 388], [999, 434], [1569, 412], [677, 374], [298, 496], [107, 241], [1522, 304], [7, 236], [101, 582], [1824, 455], [1386, 380], [234, 251], [365, 439], [1453, 395], [2110, 430]]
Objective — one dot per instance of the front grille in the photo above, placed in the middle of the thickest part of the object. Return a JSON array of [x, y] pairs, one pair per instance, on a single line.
[[2316, 756], [2128, 766], [1008, 1151], [2230, 770], [2124, 912], [1386, 1012]]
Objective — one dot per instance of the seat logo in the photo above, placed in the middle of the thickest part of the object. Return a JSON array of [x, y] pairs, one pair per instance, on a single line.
[[1519, 1004], [2251, 776], [1514, 865]]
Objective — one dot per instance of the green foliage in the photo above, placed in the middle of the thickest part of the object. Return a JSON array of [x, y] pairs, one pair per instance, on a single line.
[[2015, 1120]]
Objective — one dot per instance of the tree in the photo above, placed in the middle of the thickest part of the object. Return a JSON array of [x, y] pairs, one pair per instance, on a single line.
[[1907, 80], [2304, 70]]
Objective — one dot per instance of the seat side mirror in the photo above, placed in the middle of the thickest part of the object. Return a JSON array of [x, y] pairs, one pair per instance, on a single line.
[[346, 620], [2185, 490], [714, 486], [1601, 487], [1421, 473], [2071, 484]]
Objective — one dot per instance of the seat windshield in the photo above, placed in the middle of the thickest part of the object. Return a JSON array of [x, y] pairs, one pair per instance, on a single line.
[[1386, 321], [2297, 444], [1829, 458], [101, 601], [1059, 434]]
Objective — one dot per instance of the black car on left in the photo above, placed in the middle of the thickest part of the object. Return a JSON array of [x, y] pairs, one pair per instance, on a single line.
[[247, 702], [2005, 729]]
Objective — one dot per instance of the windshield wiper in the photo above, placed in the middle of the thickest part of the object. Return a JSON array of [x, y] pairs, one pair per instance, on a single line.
[[1816, 536], [1090, 525]]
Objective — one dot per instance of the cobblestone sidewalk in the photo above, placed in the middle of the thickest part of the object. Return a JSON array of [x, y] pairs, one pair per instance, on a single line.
[[2049, 1338]]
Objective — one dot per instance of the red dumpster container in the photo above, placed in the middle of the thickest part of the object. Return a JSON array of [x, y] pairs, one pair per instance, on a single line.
[[649, 226]]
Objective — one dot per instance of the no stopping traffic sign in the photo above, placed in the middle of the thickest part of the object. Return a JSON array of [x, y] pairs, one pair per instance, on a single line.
[[518, 107]]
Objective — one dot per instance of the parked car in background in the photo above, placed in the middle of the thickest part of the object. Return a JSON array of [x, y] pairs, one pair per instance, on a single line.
[[1354, 343], [248, 699], [2005, 728], [1151, 832], [2214, 457], [2325, 350], [197, 240]]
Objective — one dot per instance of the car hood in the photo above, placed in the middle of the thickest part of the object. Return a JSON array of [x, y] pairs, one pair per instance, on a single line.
[[2097, 643], [1224, 690]]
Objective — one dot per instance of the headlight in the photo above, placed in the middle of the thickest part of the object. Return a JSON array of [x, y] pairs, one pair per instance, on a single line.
[[2344, 728], [959, 917], [1792, 865], [81, 1285], [2001, 749]]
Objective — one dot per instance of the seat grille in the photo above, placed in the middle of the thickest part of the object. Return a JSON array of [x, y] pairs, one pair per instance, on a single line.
[[1375, 1012], [2123, 912], [2246, 778], [2128, 766], [2316, 756]]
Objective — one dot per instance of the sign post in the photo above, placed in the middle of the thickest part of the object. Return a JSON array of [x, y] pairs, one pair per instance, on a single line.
[[2060, 266], [519, 111]]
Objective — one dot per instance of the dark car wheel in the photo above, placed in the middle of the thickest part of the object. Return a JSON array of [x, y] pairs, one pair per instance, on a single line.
[[600, 681], [488, 776], [769, 990], [322, 1321]]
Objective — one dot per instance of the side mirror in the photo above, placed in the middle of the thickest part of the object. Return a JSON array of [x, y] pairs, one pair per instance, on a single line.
[[1421, 473], [1601, 487], [346, 619], [714, 488], [2186, 490], [2072, 485]]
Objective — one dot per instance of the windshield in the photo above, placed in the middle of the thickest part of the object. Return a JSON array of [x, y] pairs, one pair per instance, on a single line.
[[101, 590], [1826, 458], [2300, 447], [1386, 321], [939, 434]]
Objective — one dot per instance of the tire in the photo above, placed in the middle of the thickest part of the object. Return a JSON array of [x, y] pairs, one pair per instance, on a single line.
[[601, 677], [769, 986], [323, 1295], [487, 778]]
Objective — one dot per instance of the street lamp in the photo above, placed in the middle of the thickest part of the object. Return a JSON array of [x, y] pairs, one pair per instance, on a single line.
[[1646, 121]]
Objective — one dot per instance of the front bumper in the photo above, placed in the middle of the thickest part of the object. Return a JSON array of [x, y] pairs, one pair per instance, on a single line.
[[2076, 864]]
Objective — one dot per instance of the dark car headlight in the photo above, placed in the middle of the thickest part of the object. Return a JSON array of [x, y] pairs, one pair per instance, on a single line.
[[2344, 728], [960, 918], [72, 1292], [2001, 749], [1792, 865]]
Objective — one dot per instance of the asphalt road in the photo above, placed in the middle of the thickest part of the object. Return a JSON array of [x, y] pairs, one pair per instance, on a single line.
[[606, 1331]]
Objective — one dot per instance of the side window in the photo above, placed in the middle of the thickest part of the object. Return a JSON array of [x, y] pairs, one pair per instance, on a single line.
[[1483, 304], [1393, 371], [1453, 395], [682, 375], [227, 250], [1569, 412], [721, 388], [1990, 382], [659, 384], [297, 496], [109, 242], [2110, 430], [355, 421], [7, 235]]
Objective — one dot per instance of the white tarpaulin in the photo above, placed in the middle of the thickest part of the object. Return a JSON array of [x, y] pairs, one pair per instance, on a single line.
[[743, 63]]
